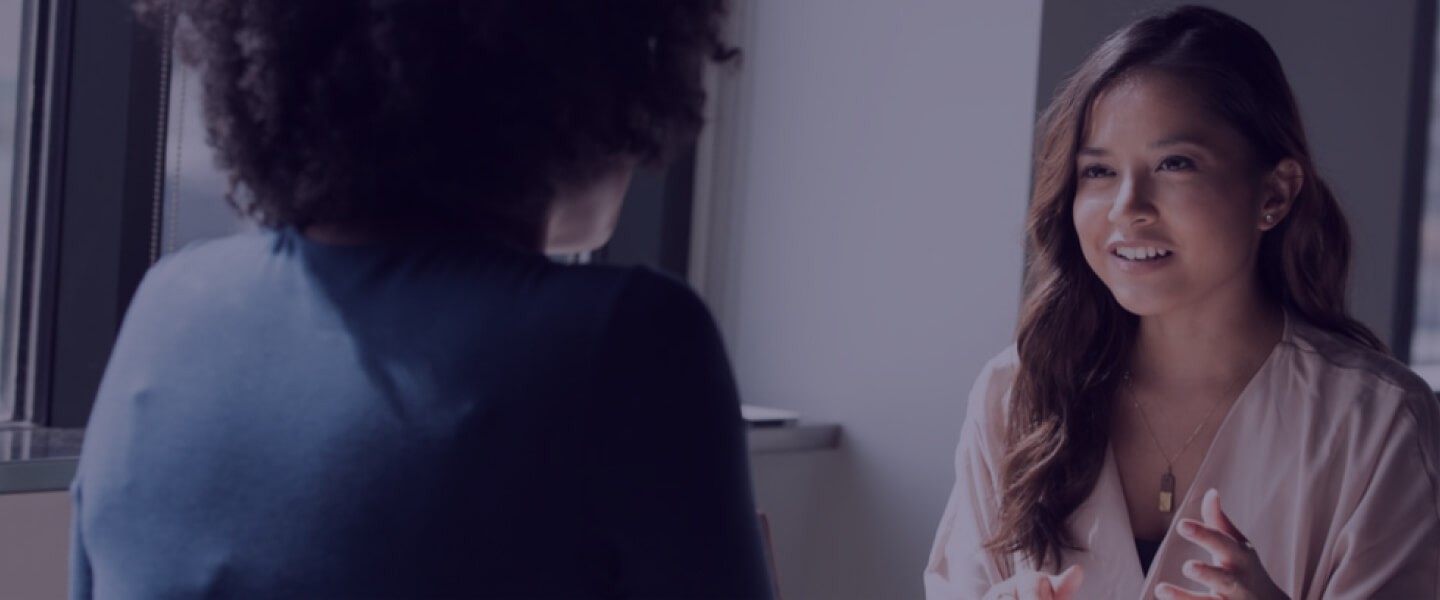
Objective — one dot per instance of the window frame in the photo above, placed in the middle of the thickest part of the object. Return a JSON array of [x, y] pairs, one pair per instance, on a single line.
[[1417, 151], [90, 188]]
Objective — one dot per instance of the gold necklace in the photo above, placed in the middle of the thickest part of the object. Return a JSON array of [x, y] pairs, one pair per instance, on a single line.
[[1167, 480]]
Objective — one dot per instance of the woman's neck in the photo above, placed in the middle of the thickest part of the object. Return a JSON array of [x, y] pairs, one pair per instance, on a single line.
[[520, 237], [1213, 347]]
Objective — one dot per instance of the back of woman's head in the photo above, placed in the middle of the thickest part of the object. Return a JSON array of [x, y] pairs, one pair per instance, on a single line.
[[1075, 340], [431, 112]]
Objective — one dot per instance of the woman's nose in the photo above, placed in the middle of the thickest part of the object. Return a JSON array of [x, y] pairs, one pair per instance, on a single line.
[[1132, 204]]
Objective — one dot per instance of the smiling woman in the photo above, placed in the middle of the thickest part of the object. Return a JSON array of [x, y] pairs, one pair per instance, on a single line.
[[1185, 339], [1204, 183]]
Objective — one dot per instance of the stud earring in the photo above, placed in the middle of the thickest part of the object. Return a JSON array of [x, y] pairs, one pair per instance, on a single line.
[[1270, 218]]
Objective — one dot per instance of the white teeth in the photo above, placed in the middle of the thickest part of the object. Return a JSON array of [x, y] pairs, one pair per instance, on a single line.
[[1139, 254]]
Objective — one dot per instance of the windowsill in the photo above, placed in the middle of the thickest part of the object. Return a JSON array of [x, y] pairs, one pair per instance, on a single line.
[[36, 460], [801, 437], [33, 459]]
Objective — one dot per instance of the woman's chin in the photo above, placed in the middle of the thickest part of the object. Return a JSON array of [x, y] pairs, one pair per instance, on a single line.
[[1142, 304]]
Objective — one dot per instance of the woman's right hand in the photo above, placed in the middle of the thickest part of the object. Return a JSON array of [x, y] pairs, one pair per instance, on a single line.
[[1032, 585]]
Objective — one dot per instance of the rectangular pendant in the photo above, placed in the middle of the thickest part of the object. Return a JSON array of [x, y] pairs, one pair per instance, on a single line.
[[1167, 492]]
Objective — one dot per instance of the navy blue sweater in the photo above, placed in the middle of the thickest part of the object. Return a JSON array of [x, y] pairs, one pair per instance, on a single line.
[[436, 419]]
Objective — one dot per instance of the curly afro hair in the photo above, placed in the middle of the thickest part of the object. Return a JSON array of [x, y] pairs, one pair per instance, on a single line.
[[387, 112]]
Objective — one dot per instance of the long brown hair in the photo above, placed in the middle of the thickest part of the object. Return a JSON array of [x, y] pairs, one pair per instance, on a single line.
[[1074, 339]]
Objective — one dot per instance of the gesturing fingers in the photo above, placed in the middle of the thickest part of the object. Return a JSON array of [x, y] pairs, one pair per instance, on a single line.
[[1031, 585], [1224, 550], [1216, 518], [1220, 581], [1167, 591], [1020, 587], [1235, 570], [1067, 583], [1003, 591], [1036, 587]]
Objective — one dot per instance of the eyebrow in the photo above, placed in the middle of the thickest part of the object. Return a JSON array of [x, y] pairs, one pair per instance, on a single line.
[[1167, 141], [1178, 139]]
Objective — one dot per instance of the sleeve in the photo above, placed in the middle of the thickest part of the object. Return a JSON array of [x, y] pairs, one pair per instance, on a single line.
[[960, 568], [672, 475], [1389, 546], [80, 579]]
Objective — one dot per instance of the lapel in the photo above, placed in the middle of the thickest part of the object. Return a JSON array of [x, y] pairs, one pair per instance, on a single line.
[[1215, 470], [1101, 525], [1111, 564]]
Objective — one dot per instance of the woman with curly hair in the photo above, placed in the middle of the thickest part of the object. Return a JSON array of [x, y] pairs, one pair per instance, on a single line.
[[387, 391], [1189, 411]]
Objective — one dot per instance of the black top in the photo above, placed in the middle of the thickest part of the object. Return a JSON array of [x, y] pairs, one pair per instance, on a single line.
[[438, 419], [1146, 549]]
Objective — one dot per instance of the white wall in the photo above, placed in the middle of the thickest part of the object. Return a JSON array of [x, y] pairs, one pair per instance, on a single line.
[[865, 258], [34, 545]]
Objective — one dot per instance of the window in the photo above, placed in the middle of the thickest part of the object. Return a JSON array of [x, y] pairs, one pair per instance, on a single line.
[[13, 107], [1425, 342], [11, 19], [194, 188], [1425, 345], [80, 99]]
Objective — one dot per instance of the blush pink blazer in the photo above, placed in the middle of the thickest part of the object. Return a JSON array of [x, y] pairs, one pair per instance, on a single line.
[[1327, 462]]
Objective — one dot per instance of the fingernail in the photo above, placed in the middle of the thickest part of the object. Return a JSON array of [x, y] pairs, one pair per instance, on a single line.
[[1188, 527]]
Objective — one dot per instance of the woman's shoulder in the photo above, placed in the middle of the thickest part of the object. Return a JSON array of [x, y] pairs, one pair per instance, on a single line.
[[228, 250], [1342, 381], [635, 309], [990, 396], [1334, 362], [636, 292], [204, 269], [999, 373]]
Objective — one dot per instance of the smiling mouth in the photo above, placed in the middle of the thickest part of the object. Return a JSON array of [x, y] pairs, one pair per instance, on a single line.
[[1141, 254]]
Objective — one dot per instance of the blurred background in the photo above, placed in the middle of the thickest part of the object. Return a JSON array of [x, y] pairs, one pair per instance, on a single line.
[[852, 214]]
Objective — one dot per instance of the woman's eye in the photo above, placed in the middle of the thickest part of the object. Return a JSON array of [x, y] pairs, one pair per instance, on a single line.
[[1177, 163], [1094, 172]]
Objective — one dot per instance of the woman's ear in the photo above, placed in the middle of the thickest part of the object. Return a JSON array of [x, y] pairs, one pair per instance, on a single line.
[[1282, 186]]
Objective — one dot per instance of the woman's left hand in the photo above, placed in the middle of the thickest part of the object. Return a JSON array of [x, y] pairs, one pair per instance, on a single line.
[[1234, 571]]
